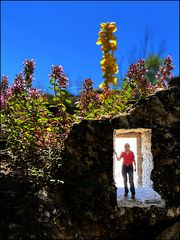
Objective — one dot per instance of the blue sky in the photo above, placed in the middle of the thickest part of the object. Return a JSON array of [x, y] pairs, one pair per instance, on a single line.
[[65, 33]]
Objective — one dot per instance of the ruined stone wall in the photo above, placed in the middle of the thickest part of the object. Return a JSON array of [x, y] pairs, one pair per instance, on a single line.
[[85, 207], [147, 159], [88, 166]]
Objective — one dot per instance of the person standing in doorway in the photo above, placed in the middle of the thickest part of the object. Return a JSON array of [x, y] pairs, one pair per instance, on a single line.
[[127, 169]]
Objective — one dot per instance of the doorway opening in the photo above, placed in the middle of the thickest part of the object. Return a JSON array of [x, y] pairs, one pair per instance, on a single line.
[[140, 143], [119, 147]]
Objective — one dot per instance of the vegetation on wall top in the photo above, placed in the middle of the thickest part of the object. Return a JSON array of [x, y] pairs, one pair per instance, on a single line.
[[35, 126]]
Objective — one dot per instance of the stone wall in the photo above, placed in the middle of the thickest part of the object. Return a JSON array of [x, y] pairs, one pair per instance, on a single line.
[[147, 162], [86, 207], [88, 168]]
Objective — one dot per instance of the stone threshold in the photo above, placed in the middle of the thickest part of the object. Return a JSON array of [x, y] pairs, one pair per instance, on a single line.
[[145, 198]]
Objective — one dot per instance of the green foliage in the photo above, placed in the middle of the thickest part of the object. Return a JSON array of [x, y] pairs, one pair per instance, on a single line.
[[31, 130], [35, 124], [152, 64], [137, 85]]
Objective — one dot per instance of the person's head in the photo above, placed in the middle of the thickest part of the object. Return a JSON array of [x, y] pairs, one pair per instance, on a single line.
[[126, 146]]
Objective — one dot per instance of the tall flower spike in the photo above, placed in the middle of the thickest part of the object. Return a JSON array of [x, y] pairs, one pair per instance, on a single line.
[[28, 71], [108, 63]]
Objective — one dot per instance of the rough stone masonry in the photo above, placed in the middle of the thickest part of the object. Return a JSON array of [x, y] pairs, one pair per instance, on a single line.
[[86, 208], [88, 170]]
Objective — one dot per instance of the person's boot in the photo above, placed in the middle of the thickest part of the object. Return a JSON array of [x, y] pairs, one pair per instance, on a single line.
[[133, 196], [126, 192], [132, 192]]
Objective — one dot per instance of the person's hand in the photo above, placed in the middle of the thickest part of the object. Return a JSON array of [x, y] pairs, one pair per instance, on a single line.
[[115, 152], [116, 155]]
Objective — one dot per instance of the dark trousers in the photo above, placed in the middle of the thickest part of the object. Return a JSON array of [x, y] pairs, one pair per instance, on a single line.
[[128, 170]]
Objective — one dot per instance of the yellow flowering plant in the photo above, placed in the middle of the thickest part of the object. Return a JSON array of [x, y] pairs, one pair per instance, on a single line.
[[108, 63]]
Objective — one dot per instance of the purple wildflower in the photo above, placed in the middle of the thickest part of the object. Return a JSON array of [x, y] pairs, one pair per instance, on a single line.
[[9, 91], [28, 71], [34, 93], [136, 76], [89, 99], [88, 84], [4, 84], [3, 101], [57, 74], [164, 72], [19, 84]]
